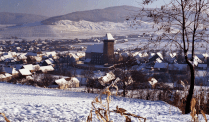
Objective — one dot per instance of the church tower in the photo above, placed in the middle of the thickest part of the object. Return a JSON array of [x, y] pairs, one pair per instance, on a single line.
[[108, 49]]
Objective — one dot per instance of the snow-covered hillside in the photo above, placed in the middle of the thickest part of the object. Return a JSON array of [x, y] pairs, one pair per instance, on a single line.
[[72, 29], [28, 103], [95, 26]]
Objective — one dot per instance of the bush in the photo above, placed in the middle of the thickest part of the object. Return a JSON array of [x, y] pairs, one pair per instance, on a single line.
[[93, 83], [47, 80]]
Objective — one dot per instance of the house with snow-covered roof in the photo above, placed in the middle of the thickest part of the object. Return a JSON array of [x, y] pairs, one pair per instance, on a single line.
[[178, 68], [31, 54], [47, 62], [46, 69], [202, 66], [24, 73], [161, 67], [28, 66], [11, 71], [101, 53], [156, 57], [2, 77]]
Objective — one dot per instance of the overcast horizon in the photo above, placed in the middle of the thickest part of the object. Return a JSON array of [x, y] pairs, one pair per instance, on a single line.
[[51, 8]]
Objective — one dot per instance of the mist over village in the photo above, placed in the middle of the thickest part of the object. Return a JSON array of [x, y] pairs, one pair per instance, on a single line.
[[110, 61]]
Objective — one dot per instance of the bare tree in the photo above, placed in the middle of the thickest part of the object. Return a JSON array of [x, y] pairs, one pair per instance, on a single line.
[[123, 71], [31, 60], [90, 81], [183, 23], [47, 79]]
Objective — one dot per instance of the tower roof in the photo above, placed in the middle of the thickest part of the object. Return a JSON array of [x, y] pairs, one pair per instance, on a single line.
[[108, 36]]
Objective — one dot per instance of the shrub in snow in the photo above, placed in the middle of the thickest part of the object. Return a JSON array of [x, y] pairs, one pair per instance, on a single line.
[[179, 85], [47, 80], [93, 83]]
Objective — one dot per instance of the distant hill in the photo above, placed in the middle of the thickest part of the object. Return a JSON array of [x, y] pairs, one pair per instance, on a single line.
[[111, 14], [19, 18]]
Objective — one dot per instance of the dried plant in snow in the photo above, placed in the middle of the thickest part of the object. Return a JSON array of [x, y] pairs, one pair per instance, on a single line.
[[194, 111], [4, 117], [103, 112]]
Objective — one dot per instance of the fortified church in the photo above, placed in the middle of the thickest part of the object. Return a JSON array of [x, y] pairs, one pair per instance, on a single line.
[[100, 54]]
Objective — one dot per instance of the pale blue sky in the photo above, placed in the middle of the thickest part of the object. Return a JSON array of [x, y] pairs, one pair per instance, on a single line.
[[59, 7]]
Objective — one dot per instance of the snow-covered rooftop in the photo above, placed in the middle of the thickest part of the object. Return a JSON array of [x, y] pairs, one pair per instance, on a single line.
[[10, 70], [161, 65], [178, 67], [25, 72], [61, 81], [88, 60], [7, 75], [28, 66], [31, 54], [97, 48], [202, 65], [46, 68], [75, 80], [2, 76], [108, 36], [48, 61]]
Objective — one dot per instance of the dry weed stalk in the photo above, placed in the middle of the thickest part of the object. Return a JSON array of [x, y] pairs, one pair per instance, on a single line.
[[103, 112], [7, 120], [193, 110], [204, 115], [122, 112]]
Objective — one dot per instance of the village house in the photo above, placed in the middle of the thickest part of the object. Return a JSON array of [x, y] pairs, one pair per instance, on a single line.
[[11, 71], [162, 67], [178, 68], [24, 73], [5, 76], [47, 62], [47, 69]]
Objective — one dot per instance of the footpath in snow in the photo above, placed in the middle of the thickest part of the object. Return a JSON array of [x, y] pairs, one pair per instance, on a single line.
[[22, 103]]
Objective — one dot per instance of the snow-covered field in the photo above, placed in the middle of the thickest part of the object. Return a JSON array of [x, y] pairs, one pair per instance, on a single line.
[[32, 104]]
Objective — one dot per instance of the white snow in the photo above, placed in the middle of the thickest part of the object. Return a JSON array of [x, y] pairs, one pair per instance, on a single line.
[[7, 75], [25, 72], [72, 29], [108, 36], [28, 66], [46, 68], [48, 61], [66, 81], [2, 76], [28, 103], [95, 48]]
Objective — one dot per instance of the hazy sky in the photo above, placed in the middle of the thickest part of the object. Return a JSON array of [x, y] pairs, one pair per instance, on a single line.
[[59, 7]]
